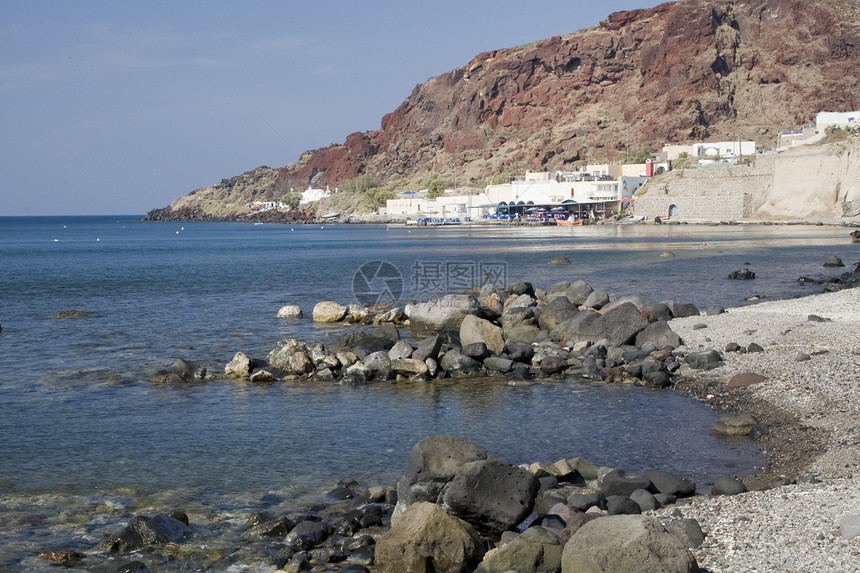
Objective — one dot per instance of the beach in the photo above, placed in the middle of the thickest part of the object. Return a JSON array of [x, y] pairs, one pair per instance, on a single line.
[[810, 399]]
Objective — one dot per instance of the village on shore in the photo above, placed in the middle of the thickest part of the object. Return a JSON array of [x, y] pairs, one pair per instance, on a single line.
[[721, 181]]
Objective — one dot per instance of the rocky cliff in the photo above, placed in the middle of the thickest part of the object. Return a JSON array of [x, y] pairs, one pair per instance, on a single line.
[[682, 71]]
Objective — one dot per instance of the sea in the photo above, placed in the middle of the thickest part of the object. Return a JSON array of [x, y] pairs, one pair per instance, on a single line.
[[90, 436]]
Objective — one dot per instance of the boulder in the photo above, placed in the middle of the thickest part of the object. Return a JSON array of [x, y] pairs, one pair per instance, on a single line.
[[519, 351], [736, 425], [290, 311], [623, 482], [743, 274], [329, 311], [474, 329], [428, 348], [441, 315], [401, 349], [833, 261], [630, 543], [645, 500], [622, 505], [537, 549], [524, 334], [665, 482], [145, 531], [457, 363], [585, 501], [560, 260], [619, 325], [728, 485], [491, 494], [279, 357], [468, 481], [597, 299], [520, 288], [578, 292], [556, 312], [188, 371], [307, 534], [491, 306], [688, 531], [498, 364], [706, 360], [409, 367], [659, 334], [682, 309], [378, 360], [427, 539], [239, 367]]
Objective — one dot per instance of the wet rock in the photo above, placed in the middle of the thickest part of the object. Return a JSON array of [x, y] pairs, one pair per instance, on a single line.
[[133, 567], [475, 330], [519, 351], [290, 312], [308, 534], [61, 556], [498, 364], [188, 371], [428, 348], [409, 367], [560, 260], [833, 261], [441, 315], [736, 424], [329, 311], [626, 543], [63, 314], [468, 481], [426, 538], [741, 275], [239, 367], [458, 364], [144, 531]]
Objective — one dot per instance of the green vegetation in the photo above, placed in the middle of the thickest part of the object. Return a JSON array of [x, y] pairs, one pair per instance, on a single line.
[[360, 184], [291, 200], [640, 155], [836, 133], [437, 186]]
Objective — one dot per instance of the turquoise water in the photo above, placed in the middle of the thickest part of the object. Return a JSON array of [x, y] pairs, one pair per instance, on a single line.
[[80, 422]]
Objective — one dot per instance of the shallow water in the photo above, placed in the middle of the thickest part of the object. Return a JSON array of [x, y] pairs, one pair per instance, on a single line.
[[82, 426]]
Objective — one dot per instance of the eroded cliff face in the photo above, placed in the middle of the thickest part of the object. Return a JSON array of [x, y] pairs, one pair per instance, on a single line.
[[682, 71]]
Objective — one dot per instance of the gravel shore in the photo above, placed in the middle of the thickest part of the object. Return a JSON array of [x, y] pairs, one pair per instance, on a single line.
[[810, 402]]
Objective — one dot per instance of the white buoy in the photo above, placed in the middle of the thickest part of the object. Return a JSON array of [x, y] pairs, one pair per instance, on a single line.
[[56, 240], [97, 240]]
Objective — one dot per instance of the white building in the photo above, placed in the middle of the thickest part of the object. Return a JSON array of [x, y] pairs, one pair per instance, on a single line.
[[837, 118], [311, 194]]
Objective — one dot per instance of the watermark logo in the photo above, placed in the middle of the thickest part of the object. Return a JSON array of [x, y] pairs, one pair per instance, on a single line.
[[432, 279], [377, 283]]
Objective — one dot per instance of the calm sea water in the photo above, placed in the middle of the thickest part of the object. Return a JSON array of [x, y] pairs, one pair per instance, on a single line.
[[81, 424]]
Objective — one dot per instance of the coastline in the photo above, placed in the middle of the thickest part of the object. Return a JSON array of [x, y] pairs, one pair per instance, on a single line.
[[809, 402]]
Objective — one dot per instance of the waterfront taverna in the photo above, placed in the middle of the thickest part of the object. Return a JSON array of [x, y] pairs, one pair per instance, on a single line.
[[596, 190]]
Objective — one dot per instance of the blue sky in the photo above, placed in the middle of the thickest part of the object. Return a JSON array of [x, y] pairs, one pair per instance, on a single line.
[[119, 107]]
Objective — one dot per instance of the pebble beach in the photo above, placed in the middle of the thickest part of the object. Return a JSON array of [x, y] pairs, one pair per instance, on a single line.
[[803, 510]]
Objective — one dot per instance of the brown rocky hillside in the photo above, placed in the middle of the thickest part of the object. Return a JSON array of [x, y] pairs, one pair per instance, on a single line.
[[682, 71]]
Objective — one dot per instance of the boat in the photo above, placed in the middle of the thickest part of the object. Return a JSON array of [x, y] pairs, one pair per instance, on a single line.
[[330, 216], [568, 222]]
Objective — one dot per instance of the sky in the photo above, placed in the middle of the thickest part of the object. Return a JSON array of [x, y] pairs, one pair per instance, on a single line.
[[116, 108]]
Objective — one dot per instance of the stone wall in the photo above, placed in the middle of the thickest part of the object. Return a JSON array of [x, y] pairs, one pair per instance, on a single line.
[[715, 193]]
